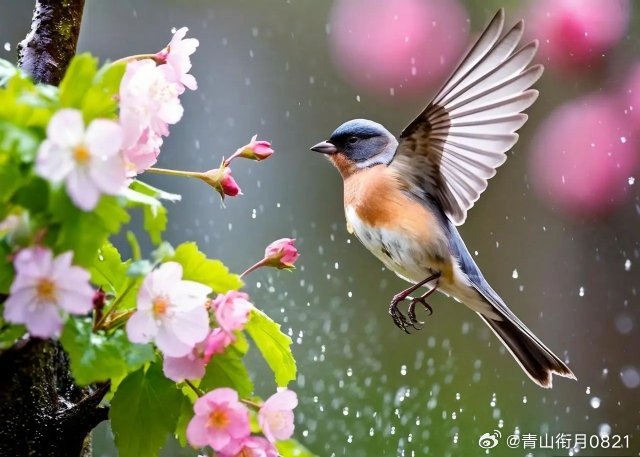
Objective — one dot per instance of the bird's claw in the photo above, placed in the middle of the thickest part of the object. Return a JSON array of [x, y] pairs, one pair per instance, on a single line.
[[400, 319]]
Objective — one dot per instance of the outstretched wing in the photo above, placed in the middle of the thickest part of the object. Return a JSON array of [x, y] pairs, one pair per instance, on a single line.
[[455, 145]]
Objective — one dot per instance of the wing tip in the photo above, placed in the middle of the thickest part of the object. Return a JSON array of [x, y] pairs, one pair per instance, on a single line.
[[546, 382]]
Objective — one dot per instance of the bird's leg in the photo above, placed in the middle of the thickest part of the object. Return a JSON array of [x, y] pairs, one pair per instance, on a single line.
[[423, 301], [398, 317]]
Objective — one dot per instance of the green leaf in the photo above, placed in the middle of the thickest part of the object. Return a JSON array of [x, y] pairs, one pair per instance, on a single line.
[[6, 269], [155, 222], [7, 71], [77, 80], [149, 190], [144, 411], [108, 270], [100, 101], [274, 345], [85, 232], [154, 213], [98, 357], [17, 141], [186, 413], [228, 370], [9, 333], [210, 272], [292, 448]]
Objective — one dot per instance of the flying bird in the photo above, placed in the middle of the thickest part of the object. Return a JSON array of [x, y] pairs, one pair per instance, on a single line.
[[404, 197]]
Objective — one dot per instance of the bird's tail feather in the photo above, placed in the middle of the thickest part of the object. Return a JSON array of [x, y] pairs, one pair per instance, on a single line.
[[537, 361]]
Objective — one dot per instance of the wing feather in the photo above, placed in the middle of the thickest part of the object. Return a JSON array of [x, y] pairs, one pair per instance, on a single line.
[[455, 145]]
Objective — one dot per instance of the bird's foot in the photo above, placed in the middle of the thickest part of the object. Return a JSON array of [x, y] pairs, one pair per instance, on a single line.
[[401, 321], [412, 308], [398, 316]]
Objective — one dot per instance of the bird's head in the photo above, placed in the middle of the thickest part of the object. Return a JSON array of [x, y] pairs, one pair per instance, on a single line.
[[358, 144]]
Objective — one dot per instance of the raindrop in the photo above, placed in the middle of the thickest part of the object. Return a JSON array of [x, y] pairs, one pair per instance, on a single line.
[[624, 324], [604, 430], [595, 402], [623, 139], [514, 275], [631, 180], [581, 291], [627, 265], [630, 377], [7, 46]]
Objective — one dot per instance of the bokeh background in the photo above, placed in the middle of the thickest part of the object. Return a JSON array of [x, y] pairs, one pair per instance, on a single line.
[[556, 233]]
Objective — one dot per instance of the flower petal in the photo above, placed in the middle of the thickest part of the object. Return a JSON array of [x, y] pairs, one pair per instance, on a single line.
[[141, 327], [82, 191], [66, 128], [104, 138]]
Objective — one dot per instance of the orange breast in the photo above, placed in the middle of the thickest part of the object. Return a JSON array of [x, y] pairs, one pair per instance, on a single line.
[[377, 197], [376, 194]]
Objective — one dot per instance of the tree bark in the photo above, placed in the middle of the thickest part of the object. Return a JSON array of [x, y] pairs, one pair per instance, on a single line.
[[42, 411], [48, 48]]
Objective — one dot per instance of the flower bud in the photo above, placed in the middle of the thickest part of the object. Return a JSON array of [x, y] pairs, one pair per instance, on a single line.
[[222, 181], [281, 254]]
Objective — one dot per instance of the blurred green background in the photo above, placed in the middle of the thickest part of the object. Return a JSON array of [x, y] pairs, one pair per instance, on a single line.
[[365, 388]]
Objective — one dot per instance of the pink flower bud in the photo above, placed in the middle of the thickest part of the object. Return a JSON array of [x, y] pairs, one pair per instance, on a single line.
[[222, 181], [255, 150], [281, 254]]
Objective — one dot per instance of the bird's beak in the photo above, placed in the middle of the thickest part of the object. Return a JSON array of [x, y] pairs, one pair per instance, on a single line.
[[325, 147]]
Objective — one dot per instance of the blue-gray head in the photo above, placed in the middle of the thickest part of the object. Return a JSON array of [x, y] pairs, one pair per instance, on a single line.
[[358, 144]]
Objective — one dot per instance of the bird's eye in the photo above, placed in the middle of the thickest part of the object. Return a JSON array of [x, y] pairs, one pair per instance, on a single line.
[[353, 139]]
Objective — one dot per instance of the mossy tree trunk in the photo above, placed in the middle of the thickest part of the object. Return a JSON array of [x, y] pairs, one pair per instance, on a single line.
[[42, 411]]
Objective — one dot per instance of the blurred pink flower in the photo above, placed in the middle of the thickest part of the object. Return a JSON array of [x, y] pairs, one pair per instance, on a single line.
[[148, 99], [276, 415], [221, 421], [217, 342], [253, 446], [87, 161], [583, 155], [232, 310], [401, 46], [171, 312], [281, 254], [576, 33], [177, 56], [143, 154], [256, 150], [631, 97], [44, 288]]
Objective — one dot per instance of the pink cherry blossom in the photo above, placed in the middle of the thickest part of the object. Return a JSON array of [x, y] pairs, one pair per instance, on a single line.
[[232, 310], [171, 312], [220, 421], [256, 150], [87, 161], [276, 415], [143, 154], [253, 446], [191, 366], [177, 56], [574, 34], [217, 342], [44, 288], [396, 49], [281, 254], [583, 155], [148, 100]]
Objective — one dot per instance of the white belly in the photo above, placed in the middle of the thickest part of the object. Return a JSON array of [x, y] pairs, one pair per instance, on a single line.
[[413, 261]]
